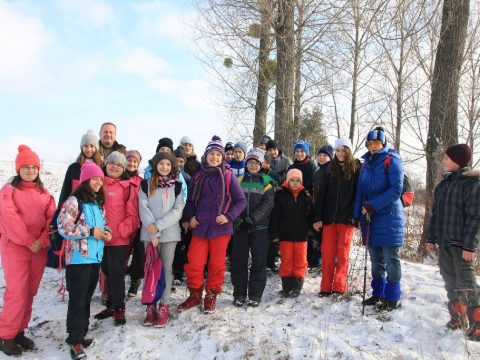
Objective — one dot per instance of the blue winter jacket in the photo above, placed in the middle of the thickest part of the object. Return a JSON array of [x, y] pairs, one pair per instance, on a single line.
[[381, 188]]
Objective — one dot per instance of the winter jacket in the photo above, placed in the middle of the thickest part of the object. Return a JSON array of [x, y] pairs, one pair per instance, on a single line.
[[258, 190], [136, 179], [307, 167], [237, 167], [381, 188], [318, 175], [192, 165], [148, 174], [456, 210], [280, 166], [163, 209], [25, 215], [107, 151], [121, 209], [81, 247], [205, 211], [290, 219], [335, 198], [275, 178]]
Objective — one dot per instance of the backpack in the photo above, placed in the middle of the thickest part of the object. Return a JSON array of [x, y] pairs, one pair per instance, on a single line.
[[154, 281], [144, 186]]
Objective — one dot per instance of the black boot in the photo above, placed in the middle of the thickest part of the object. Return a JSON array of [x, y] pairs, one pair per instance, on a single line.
[[388, 305], [10, 347], [24, 342], [297, 287], [286, 286], [372, 300], [119, 317], [134, 285], [105, 313]]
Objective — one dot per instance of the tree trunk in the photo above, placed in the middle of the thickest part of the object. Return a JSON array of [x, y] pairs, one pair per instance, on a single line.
[[297, 107], [355, 74], [443, 122]]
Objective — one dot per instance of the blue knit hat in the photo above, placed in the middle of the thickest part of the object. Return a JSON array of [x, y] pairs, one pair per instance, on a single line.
[[327, 150], [303, 145], [377, 134], [242, 145]]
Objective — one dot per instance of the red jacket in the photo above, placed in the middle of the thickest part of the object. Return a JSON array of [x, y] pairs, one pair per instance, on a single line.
[[121, 209], [25, 215]]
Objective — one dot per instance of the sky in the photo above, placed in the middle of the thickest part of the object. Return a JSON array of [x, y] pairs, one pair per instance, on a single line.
[[67, 66]]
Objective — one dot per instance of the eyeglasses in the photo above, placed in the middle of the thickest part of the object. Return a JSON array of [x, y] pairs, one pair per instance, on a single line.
[[30, 167], [117, 165], [254, 163]]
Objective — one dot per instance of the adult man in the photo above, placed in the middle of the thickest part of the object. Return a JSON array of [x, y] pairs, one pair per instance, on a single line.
[[108, 142]]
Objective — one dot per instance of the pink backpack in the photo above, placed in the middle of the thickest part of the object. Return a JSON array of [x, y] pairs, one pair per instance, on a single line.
[[154, 281]]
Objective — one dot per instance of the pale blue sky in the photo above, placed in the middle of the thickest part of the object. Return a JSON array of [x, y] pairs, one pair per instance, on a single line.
[[67, 66]]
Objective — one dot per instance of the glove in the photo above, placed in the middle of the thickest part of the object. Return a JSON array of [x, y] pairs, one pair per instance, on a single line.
[[246, 223], [369, 209]]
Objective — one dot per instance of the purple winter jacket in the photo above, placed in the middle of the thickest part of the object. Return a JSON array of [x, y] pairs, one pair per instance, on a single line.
[[206, 211]]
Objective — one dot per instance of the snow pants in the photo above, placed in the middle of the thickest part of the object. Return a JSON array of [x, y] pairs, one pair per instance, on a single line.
[[293, 255]]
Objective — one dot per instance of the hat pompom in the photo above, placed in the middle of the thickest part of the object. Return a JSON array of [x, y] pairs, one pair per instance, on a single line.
[[216, 138], [23, 148]]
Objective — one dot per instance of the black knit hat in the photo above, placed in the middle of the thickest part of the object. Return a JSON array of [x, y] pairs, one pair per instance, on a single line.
[[180, 152], [165, 142], [460, 154], [271, 144], [229, 146]]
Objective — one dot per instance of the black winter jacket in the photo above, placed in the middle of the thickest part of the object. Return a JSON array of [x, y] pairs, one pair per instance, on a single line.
[[456, 210], [307, 167], [291, 218], [191, 165], [318, 176]]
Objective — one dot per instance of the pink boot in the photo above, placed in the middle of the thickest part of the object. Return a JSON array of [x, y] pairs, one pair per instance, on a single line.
[[210, 300], [163, 316], [151, 315]]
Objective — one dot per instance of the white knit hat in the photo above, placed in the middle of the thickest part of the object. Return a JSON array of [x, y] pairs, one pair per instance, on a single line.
[[342, 142], [90, 138], [186, 140]]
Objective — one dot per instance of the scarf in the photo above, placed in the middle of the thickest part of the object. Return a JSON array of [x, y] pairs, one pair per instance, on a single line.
[[203, 174], [166, 181]]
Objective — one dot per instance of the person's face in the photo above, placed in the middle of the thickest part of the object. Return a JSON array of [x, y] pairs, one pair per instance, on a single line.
[[229, 155], [300, 154], [188, 148], [108, 135], [448, 164], [89, 150], [214, 158], [253, 166], [165, 149], [180, 162], [323, 158], [164, 167], [374, 146], [28, 173], [273, 152], [340, 153], [294, 183], [95, 183], [132, 164], [238, 154], [263, 146], [266, 165], [114, 170]]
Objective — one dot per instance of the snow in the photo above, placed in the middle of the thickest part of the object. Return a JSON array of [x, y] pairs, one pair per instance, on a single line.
[[308, 327]]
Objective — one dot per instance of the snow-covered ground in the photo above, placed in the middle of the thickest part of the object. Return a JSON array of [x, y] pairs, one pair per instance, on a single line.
[[308, 327]]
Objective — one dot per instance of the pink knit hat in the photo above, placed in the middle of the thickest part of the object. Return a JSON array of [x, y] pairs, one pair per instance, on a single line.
[[26, 157], [294, 173], [89, 170]]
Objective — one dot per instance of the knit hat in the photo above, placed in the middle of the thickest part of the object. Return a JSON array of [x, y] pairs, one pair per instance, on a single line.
[[265, 139], [294, 173], [376, 134], [229, 146], [242, 145], [215, 144], [186, 140], [256, 154], [26, 156], [343, 142], [180, 152], [90, 138], [271, 144], [460, 154], [303, 145], [133, 154], [159, 156], [165, 142], [117, 157], [89, 170], [327, 150], [268, 158]]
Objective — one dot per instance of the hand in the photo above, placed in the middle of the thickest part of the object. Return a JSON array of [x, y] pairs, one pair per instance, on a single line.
[[467, 255], [36, 246], [98, 233], [193, 223], [317, 225], [276, 240], [367, 209], [155, 242], [221, 219], [185, 226], [152, 229], [107, 236], [431, 247]]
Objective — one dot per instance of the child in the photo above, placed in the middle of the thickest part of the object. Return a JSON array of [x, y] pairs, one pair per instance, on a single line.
[[191, 165], [160, 213], [334, 212], [211, 208], [304, 163], [238, 163], [251, 233], [82, 222], [267, 170], [121, 204], [455, 228], [26, 210], [229, 152], [289, 224]]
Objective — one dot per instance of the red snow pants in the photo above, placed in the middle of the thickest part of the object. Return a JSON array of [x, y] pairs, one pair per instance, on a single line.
[[293, 259]]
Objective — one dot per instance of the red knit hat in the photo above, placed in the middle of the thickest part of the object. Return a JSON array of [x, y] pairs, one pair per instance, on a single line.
[[26, 157], [89, 170], [460, 154]]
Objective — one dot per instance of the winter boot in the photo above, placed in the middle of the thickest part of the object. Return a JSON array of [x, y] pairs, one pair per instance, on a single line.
[[25, 343], [134, 285], [239, 301], [372, 300], [253, 302], [105, 313], [163, 316], [194, 299], [392, 297], [385, 305], [458, 315], [86, 342], [210, 300], [296, 287], [119, 316], [473, 333], [151, 315], [378, 292], [287, 283], [324, 294], [76, 352], [10, 347]]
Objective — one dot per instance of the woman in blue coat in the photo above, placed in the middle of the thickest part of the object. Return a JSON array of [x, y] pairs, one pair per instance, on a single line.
[[378, 197]]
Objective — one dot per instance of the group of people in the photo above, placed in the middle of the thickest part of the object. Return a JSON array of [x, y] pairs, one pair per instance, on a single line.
[[231, 202]]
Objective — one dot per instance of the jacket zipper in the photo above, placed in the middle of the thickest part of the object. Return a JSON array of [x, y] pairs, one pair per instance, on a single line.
[[336, 202]]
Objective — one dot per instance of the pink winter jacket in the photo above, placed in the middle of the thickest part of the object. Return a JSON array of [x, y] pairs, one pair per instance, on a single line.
[[25, 215], [121, 209]]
